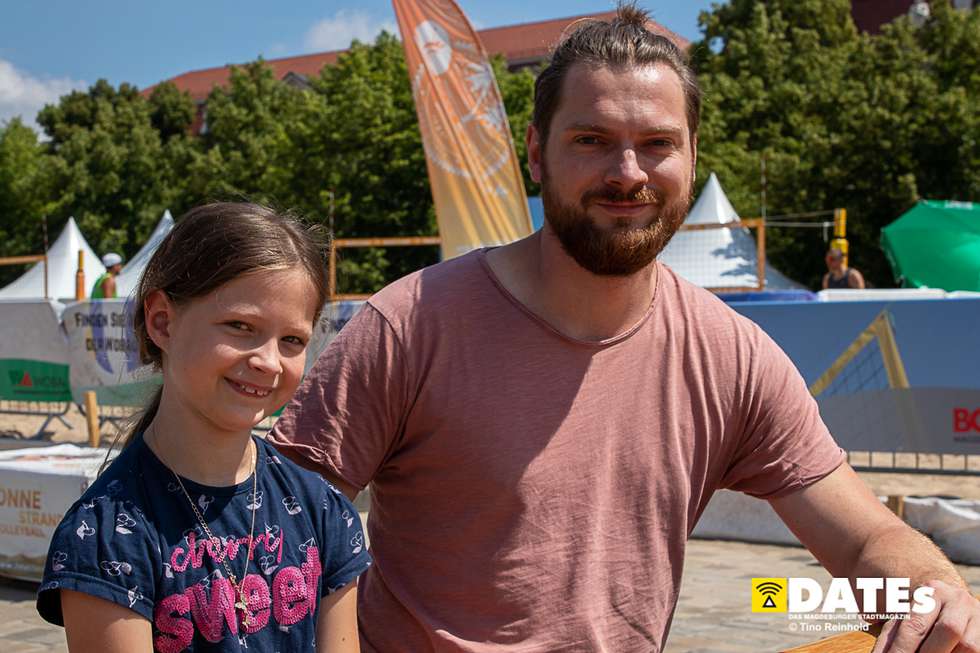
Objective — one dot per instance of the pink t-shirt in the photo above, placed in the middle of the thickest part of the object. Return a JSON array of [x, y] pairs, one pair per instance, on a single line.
[[533, 492]]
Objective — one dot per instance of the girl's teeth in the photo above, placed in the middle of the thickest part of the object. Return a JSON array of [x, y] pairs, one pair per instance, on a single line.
[[251, 391]]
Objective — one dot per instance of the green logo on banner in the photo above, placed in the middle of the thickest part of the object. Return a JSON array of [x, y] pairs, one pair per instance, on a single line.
[[34, 380]]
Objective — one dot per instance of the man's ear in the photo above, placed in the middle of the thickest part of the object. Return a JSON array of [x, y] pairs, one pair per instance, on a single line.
[[533, 140], [160, 313]]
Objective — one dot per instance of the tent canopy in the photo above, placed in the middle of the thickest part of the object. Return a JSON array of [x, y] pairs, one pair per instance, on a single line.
[[62, 265], [936, 244], [719, 258], [129, 277]]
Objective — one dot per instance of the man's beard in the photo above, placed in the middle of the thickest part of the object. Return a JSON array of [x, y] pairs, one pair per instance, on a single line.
[[621, 250]]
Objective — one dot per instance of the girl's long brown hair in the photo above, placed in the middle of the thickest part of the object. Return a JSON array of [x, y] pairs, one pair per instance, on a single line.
[[209, 246]]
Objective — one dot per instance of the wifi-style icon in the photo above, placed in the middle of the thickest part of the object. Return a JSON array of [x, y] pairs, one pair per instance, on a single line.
[[769, 595]]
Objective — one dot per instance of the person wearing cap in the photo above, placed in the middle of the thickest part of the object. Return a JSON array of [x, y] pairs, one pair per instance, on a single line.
[[105, 285], [839, 275]]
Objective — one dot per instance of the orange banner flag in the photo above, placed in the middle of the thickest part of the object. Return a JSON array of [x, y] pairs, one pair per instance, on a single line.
[[473, 169]]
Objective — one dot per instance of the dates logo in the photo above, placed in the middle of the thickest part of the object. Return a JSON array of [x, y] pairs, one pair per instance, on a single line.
[[966, 420]]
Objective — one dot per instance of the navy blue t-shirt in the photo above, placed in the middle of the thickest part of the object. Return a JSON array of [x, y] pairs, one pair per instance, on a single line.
[[133, 539]]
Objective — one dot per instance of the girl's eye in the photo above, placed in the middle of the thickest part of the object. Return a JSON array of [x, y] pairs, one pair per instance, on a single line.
[[238, 326], [295, 340]]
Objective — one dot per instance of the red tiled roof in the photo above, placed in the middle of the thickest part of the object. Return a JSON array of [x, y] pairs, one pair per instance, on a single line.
[[528, 42], [870, 15], [534, 41]]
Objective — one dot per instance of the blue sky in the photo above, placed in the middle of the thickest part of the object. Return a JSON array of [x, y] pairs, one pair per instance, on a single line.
[[49, 48]]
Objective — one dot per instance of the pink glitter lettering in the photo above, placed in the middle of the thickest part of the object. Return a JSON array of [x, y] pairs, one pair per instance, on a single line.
[[176, 633], [210, 616], [258, 600], [311, 576], [289, 596]]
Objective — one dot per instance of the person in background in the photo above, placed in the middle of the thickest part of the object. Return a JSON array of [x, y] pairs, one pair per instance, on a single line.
[[839, 275], [105, 286]]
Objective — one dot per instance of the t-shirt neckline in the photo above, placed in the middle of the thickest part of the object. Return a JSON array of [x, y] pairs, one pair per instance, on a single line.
[[193, 487], [598, 344]]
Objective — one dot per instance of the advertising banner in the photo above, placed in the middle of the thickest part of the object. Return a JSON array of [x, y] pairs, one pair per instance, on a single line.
[[888, 375], [37, 486], [33, 351], [333, 318], [473, 169], [104, 356]]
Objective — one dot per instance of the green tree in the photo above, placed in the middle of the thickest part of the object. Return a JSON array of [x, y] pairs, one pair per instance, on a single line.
[[105, 162], [23, 194], [773, 83], [870, 123]]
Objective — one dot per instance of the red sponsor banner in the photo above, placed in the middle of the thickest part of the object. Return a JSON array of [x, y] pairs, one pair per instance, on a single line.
[[966, 420]]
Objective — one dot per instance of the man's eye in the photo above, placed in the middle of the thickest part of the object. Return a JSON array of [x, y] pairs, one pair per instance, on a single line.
[[587, 140], [661, 142], [295, 340], [238, 326]]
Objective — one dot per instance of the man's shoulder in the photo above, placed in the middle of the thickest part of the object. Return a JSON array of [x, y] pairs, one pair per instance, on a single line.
[[448, 284], [701, 311]]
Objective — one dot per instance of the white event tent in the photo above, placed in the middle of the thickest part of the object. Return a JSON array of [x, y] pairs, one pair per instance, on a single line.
[[62, 266], [719, 258], [129, 277]]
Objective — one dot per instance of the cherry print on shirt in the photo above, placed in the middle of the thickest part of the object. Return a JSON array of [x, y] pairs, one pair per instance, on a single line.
[[84, 530], [254, 501], [115, 568], [292, 505], [124, 524]]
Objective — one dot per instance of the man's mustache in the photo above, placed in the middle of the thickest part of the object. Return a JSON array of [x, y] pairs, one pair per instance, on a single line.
[[640, 195]]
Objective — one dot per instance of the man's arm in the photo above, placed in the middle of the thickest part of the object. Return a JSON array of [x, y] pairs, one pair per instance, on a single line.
[[109, 287], [349, 490], [854, 536]]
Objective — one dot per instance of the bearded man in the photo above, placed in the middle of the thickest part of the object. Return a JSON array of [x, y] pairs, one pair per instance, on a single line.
[[543, 423]]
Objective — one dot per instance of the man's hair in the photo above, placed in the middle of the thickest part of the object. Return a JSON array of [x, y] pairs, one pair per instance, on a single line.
[[623, 42]]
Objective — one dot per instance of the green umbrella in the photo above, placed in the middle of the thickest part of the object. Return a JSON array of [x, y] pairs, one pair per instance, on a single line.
[[936, 245]]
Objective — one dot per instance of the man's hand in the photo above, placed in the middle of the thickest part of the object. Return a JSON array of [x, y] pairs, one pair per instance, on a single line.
[[952, 627]]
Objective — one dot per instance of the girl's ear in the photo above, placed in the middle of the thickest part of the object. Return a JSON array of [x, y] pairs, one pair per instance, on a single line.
[[160, 313]]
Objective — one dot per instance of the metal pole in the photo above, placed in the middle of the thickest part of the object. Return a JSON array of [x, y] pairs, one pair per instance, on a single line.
[[332, 271], [80, 277], [44, 227], [762, 163], [760, 245]]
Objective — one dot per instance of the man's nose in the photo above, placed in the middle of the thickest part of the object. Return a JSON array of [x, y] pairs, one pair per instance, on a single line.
[[625, 172]]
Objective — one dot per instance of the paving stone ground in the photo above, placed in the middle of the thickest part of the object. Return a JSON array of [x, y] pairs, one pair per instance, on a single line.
[[713, 615]]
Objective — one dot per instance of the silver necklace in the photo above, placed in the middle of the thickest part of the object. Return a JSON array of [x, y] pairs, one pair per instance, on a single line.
[[240, 604]]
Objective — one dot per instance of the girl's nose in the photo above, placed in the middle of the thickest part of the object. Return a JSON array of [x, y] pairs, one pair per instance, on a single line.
[[266, 358]]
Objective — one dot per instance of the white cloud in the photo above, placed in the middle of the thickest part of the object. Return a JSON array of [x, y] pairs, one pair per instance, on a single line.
[[336, 33], [23, 95]]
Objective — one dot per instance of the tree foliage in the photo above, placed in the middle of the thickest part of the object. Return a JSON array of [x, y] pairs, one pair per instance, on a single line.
[[841, 119]]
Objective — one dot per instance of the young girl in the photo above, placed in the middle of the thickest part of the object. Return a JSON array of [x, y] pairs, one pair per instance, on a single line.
[[199, 536]]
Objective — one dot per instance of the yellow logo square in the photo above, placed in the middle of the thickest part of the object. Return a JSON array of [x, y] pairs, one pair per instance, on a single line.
[[769, 594]]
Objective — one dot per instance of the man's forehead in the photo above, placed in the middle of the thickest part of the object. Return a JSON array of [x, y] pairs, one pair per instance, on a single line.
[[590, 90]]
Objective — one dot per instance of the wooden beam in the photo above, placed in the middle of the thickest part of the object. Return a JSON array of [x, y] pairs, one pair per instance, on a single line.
[[17, 260]]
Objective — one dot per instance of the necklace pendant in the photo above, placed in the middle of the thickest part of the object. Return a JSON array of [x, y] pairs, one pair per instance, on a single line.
[[244, 610]]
